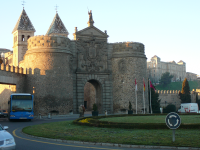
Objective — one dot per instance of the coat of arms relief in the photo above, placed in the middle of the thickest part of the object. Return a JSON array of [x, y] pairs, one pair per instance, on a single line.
[[92, 55]]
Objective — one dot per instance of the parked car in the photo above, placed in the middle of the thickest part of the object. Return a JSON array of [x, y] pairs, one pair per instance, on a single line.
[[7, 141], [3, 113]]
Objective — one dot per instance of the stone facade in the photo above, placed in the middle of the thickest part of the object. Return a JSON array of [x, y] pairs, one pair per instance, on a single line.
[[191, 76], [156, 67], [57, 69]]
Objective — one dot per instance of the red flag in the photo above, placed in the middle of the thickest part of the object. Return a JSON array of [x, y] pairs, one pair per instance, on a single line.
[[135, 85], [151, 85], [143, 84]]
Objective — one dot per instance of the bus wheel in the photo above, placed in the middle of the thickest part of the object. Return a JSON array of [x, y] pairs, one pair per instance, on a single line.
[[28, 119]]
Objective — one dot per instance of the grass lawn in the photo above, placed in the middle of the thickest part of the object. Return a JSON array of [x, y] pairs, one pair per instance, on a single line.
[[67, 131], [152, 119]]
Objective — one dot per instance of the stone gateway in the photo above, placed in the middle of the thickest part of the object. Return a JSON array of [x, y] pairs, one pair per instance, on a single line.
[[56, 69]]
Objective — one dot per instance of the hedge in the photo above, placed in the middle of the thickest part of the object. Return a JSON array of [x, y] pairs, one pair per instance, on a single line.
[[95, 122]]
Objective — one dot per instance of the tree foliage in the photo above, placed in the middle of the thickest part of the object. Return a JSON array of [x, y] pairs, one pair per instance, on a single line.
[[130, 106], [185, 92], [155, 102], [169, 108], [166, 79]]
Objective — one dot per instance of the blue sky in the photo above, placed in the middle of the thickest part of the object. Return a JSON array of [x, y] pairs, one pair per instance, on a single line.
[[169, 29]]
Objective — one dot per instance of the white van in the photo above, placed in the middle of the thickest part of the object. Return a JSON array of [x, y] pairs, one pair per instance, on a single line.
[[189, 108]]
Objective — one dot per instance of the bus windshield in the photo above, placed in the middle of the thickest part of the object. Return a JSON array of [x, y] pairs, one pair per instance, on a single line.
[[22, 105]]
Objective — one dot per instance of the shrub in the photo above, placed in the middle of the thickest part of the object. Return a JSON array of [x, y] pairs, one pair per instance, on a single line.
[[95, 122], [169, 108], [130, 106], [95, 108], [156, 111]]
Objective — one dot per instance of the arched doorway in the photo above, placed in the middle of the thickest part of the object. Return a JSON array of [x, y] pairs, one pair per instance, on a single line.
[[92, 94]]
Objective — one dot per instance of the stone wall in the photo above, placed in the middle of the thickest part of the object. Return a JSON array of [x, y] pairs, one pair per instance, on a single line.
[[128, 63], [5, 92], [172, 97], [49, 77], [13, 76]]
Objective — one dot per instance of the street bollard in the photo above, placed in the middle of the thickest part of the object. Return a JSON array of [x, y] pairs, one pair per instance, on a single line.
[[40, 116], [49, 116]]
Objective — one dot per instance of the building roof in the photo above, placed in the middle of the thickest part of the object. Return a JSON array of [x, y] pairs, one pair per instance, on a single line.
[[4, 50], [24, 23], [181, 61], [57, 27], [172, 62]]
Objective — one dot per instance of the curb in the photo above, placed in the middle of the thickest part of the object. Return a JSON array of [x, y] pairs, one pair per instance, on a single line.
[[112, 144]]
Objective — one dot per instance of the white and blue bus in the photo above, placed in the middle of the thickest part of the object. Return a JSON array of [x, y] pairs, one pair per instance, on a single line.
[[20, 106]]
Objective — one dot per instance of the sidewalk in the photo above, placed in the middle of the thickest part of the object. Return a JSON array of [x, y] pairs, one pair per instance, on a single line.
[[87, 114]]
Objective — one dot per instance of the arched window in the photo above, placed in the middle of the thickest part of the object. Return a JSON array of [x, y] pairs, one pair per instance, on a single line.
[[22, 37], [28, 37]]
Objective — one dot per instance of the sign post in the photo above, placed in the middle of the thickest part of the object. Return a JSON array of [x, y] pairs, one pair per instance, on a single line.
[[173, 121]]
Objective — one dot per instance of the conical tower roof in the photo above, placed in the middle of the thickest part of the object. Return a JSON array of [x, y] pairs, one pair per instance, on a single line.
[[57, 27], [24, 23]]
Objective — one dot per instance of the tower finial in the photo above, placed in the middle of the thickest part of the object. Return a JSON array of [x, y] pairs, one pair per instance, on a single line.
[[91, 21], [56, 8], [23, 4]]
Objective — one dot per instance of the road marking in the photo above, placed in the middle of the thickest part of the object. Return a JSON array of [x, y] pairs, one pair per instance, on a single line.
[[57, 143]]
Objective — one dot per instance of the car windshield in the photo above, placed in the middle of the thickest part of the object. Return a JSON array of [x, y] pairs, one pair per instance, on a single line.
[[22, 105], [1, 128]]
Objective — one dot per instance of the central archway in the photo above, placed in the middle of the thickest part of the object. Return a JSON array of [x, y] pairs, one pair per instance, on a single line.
[[93, 94]]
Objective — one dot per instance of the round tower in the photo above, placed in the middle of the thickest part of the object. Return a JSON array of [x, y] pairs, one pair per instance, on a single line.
[[129, 62], [48, 61]]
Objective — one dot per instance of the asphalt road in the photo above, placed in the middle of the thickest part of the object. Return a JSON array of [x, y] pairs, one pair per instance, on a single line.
[[24, 142]]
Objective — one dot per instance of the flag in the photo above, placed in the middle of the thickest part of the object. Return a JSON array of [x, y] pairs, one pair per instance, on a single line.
[[143, 84], [151, 85], [135, 85]]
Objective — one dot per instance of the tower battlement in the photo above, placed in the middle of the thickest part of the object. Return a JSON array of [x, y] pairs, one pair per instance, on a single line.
[[128, 49], [45, 41]]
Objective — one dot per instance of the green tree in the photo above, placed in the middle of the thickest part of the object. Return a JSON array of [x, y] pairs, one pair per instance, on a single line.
[[166, 79], [155, 102], [185, 92], [130, 106]]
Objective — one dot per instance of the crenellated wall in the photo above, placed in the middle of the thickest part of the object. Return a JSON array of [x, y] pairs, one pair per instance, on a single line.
[[128, 63], [43, 41], [172, 97]]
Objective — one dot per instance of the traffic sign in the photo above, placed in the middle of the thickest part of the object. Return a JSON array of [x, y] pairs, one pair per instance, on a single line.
[[173, 120]]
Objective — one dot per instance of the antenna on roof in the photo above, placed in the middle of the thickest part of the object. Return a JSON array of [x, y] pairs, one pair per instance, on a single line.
[[23, 4], [56, 8]]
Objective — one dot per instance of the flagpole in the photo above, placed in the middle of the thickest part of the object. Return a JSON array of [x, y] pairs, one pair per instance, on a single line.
[[144, 101], [150, 96], [143, 95], [136, 100], [136, 95]]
